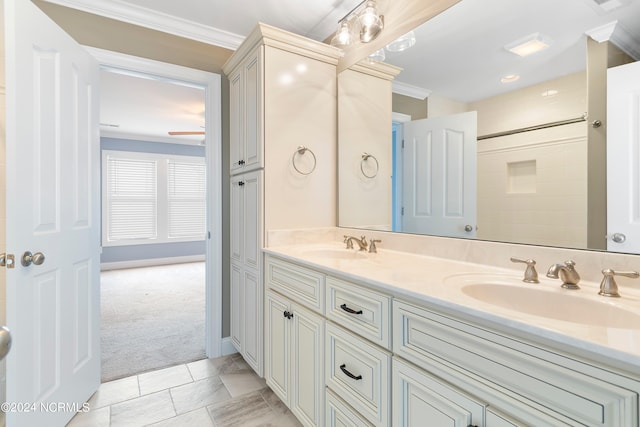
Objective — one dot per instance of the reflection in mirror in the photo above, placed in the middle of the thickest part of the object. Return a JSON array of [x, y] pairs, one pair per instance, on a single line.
[[497, 146]]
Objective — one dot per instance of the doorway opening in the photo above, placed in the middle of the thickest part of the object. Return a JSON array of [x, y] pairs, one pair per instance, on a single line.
[[161, 209]]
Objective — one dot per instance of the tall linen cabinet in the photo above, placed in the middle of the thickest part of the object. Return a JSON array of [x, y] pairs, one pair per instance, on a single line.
[[282, 90]]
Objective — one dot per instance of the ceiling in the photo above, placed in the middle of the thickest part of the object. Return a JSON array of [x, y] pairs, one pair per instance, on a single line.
[[459, 54]]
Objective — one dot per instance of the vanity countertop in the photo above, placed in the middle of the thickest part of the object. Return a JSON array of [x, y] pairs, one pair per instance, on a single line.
[[439, 282]]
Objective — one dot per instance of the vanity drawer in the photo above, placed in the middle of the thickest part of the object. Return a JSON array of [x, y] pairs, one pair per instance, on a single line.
[[339, 414], [359, 373], [360, 310], [573, 392], [300, 284]]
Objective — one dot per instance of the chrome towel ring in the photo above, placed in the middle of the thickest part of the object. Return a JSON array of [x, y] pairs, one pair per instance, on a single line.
[[365, 158], [300, 151]]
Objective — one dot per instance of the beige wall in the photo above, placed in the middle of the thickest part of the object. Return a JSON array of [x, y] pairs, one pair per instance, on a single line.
[[416, 108]]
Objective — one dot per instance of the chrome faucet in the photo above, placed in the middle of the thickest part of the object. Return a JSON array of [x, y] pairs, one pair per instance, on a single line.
[[362, 242], [567, 272]]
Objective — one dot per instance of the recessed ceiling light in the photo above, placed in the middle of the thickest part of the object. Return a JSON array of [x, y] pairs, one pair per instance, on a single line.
[[510, 78], [529, 45]]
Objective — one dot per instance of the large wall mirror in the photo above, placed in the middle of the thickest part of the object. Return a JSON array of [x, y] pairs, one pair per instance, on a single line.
[[501, 105]]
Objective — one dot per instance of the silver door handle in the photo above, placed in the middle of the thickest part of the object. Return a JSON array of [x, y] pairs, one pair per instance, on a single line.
[[28, 258], [618, 237], [5, 341]]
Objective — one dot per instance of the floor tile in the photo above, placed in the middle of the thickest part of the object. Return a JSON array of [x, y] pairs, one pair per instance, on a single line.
[[242, 382], [114, 392], [93, 418], [244, 411], [212, 367], [162, 379], [274, 401], [143, 410], [198, 394], [197, 418]]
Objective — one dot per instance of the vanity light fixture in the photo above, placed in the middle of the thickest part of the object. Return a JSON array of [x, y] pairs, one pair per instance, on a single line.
[[529, 45], [377, 56], [362, 24], [402, 43]]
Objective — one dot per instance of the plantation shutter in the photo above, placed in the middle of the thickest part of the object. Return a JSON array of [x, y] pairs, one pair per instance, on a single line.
[[186, 200], [131, 199]]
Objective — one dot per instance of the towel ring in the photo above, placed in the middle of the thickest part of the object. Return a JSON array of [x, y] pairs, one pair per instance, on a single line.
[[301, 150], [365, 157]]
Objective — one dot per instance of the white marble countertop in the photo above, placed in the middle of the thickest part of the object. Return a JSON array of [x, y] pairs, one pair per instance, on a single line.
[[440, 284]]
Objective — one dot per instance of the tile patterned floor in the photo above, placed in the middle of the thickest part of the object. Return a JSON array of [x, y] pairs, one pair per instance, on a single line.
[[223, 392]]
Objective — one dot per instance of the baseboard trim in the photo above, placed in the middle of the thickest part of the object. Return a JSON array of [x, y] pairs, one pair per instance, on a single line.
[[150, 262], [228, 347]]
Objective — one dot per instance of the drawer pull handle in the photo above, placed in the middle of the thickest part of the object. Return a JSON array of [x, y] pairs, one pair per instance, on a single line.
[[344, 370], [350, 310]]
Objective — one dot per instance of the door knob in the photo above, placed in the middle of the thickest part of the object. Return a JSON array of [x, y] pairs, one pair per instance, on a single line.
[[618, 237], [468, 228], [28, 258], [5, 341]]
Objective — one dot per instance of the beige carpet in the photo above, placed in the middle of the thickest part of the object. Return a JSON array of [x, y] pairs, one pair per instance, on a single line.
[[152, 318]]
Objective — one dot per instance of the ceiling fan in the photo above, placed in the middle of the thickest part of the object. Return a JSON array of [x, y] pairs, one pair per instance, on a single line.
[[182, 133]]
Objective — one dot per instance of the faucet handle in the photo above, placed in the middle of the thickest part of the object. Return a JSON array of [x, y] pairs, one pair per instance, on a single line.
[[530, 273], [372, 245], [608, 286], [348, 241]]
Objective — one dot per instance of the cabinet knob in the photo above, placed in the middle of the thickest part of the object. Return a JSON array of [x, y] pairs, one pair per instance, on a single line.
[[288, 314], [241, 183], [240, 162]]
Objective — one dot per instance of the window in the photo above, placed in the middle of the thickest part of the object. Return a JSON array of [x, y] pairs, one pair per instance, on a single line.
[[152, 198]]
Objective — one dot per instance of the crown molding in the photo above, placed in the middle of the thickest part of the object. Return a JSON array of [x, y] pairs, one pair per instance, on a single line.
[[603, 32], [155, 21], [410, 90], [623, 39]]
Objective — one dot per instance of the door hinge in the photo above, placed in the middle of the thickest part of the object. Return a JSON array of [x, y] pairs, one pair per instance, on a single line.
[[208, 235], [402, 211], [403, 143], [7, 260]]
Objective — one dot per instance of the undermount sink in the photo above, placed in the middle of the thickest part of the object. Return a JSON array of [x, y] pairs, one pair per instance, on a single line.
[[568, 306], [555, 305], [334, 253]]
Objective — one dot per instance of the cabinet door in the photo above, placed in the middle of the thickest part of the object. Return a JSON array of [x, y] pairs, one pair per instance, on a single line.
[[236, 220], [237, 314], [253, 96], [252, 337], [246, 114], [418, 396], [246, 219], [276, 345], [236, 121], [307, 343], [252, 219]]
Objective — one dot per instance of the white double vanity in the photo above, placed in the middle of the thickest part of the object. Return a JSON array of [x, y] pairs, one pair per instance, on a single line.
[[427, 331]]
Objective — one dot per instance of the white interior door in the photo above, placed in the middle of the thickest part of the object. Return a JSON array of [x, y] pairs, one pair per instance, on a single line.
[[52, 150], [439, 179], [623, 158]]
